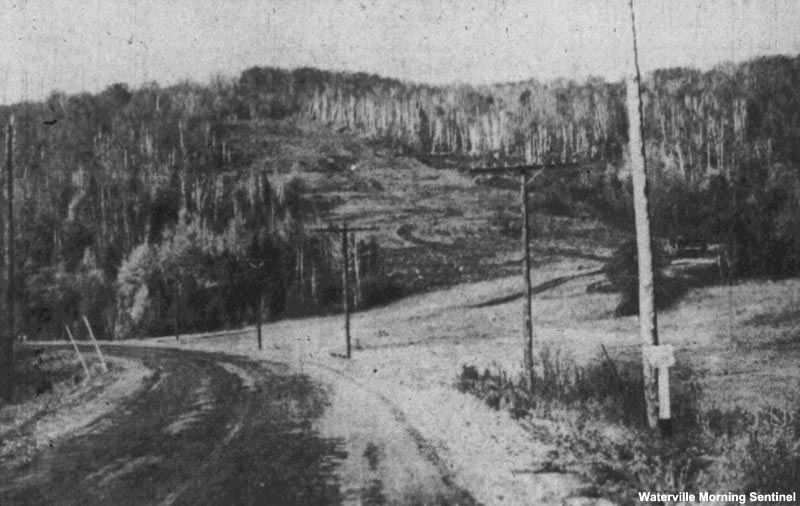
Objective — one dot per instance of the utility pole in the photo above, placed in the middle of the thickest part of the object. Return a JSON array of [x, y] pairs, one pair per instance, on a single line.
[[258, 272], [178, 296], [653, 355], [525, 171], [258, 320], [344, 230], [346, 286], [8, 344], [527, 318]]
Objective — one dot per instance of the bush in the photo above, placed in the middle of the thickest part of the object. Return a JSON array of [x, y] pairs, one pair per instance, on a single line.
[[770, 460], [622, 272], [732, 450], [134, 300], [762, 220], [55, 297], [51, 302], [608, 389], [379, 289], [556, 205], [507, 223], [38, 371]]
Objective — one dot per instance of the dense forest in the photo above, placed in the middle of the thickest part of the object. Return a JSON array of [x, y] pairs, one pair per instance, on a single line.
[[132, 203]]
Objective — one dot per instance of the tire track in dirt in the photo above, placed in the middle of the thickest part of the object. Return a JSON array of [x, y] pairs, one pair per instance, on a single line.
[[425, 448]]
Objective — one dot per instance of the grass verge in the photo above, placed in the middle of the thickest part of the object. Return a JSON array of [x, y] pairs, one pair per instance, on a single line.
[[594, 414]]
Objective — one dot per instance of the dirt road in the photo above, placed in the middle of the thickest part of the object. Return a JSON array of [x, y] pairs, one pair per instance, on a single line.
[[399, 432], [211, 429]]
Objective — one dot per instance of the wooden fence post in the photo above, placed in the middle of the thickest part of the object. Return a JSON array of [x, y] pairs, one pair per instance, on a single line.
[[78, 352], [96, 345]]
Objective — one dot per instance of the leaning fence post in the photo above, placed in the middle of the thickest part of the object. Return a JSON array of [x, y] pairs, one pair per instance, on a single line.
[[78, 352], [96, 346]]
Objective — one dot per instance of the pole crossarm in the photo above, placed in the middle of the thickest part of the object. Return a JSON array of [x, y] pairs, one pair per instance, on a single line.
[[524, 167], [340, 230], [528, 173], [570, 169]]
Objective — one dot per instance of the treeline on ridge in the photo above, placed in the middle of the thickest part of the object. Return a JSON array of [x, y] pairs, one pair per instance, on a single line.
[[113, 188]]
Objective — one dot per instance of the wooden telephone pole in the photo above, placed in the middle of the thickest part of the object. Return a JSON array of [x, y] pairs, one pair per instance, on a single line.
[[344, 230], [525, 173], [8, 342], [177, 321], [653, 355], [258, 269]]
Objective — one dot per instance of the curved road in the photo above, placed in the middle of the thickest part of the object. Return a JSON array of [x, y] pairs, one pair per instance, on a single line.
[[211, 429]]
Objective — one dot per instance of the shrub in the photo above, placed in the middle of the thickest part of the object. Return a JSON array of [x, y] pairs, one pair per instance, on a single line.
[[770, 460], [55, 297], [556, 205], [622, 272], [506, 222], [134, 303], [762, 220], [612, 390], [732, 450], [38, 371], [51, 301], [379, 289]]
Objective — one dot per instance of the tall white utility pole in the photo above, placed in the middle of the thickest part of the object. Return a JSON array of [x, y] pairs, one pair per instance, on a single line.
[[647, 315]]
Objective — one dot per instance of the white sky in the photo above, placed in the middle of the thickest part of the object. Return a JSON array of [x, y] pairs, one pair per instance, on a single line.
[[75, 45]]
